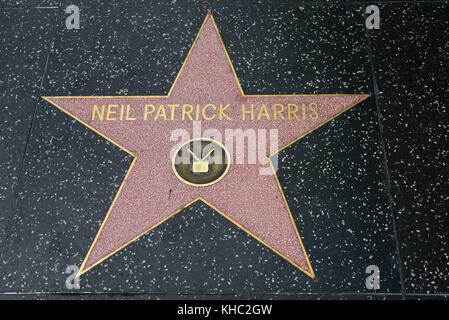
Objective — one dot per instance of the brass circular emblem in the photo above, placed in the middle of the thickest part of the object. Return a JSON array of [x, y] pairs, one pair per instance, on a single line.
[[201, 162]]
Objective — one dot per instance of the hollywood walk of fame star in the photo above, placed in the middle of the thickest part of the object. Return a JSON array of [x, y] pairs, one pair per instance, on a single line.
[[153, 189]]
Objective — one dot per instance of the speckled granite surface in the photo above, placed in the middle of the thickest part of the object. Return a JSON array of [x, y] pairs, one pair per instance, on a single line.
[[411, 67], [26, 38], [368, 182]]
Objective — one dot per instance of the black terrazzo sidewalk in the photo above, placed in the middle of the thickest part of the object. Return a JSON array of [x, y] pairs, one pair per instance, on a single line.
[[368, 188]]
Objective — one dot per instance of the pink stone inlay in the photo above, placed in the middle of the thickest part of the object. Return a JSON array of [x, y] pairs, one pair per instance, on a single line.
[[152, 193]]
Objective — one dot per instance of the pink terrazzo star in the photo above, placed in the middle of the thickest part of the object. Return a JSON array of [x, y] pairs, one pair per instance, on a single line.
[[151, 193]]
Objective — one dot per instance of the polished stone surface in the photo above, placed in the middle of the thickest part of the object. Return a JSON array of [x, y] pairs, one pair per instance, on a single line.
[[23, 57], [410, 56]]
